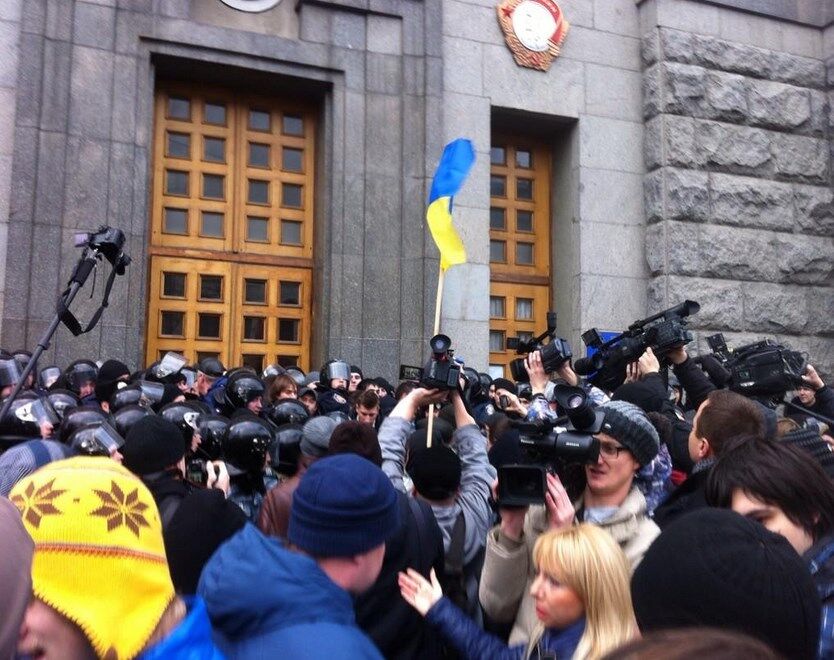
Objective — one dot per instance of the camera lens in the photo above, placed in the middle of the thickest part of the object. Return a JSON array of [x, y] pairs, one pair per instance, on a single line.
[[575, 401]]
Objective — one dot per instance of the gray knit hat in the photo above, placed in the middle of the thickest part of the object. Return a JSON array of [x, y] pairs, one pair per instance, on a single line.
[[632, 429], [22, 460], [315, 436]]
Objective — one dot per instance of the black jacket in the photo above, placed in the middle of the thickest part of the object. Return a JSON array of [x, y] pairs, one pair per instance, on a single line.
[[689, 496], [396, 628], [694, 382]]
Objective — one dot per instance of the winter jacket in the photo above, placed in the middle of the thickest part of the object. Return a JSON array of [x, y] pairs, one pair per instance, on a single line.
[[694, 382], [190, 640], [820, 559], [689, 496], [274, 516], [473, 643], [265, 601], [476, 480], [509, 571]]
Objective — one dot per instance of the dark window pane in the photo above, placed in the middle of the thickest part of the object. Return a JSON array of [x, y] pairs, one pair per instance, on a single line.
[[291, 159], [172, 324], [201, 355], [290, 293], [497, 251], [254, 291], [213, 186], [211, 287], [292, 125], [173, 285], [258, 120], [498, 186], [215, 113], [214, 149], [258, 154], [496, 218], [258, 192], [257, 229], [175, 221], [288, 360], [179, 145], [176, 182], [524, 253], [524, 309], [209, 326], [290, 232], [524, 189], [524, 220], [497, 155], [288, 329], [496, 341], [497, 306], [179, 108], [523, 158], [291, 195], [253, 361], [253, 328], [525, 336], [211, 224]]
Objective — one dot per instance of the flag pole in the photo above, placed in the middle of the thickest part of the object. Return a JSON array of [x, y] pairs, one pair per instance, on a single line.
[[441, 276]]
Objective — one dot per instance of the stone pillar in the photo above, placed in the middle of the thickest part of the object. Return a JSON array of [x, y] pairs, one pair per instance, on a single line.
[[737, 193]]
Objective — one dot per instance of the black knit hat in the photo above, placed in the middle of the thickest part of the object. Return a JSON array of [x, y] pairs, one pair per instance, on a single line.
[[435, 471], [629, 425], [202, 523], [152, 445], [715, 568], [344, 506], [111, 372]]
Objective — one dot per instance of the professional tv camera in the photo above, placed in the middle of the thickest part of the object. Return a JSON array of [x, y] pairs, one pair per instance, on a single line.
[[441, 372], [554, 353], [558, 445], [763, 369], [662, 332]]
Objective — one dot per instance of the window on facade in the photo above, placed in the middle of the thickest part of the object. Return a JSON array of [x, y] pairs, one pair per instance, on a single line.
[[519, 243]]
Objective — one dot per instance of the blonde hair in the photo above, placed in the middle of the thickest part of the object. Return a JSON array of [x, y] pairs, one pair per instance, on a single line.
[[589, 561]]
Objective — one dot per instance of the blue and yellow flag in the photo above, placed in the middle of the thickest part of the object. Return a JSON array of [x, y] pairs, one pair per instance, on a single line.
[[454, 166]]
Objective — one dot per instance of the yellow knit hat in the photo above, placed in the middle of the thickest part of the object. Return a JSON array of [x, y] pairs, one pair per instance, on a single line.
[[99, 555]]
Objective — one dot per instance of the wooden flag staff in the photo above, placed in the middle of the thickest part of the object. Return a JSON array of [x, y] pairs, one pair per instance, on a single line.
[[437, 302]]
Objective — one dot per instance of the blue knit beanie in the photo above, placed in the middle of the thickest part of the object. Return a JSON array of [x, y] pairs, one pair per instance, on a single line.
[[344, 506]]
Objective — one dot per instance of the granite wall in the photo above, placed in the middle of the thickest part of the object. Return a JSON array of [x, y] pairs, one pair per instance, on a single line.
[[738, 191]]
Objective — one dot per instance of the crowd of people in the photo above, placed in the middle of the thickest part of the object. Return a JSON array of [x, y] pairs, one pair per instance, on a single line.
[[199, 511]]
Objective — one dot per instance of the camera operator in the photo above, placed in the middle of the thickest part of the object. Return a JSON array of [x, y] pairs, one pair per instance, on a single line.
[[457, 484], [628, 441], [505, 398], [695, 383], [814, 395]]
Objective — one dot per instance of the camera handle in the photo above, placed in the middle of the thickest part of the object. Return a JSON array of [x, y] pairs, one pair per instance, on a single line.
[[79, 276], [810, 413]]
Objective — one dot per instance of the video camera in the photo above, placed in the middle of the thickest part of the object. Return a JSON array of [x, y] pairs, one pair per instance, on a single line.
[[662, 332], [552, 446], [441, 372], [554, 353], [763, 368], [107, 241]]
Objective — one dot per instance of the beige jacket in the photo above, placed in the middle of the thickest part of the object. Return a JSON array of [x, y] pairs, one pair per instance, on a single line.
[[509, 572]]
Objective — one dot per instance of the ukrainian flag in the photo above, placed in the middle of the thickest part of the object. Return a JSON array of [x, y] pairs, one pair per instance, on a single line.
[[454, 166]]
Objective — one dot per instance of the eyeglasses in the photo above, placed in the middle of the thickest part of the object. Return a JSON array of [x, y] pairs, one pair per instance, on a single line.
[[611, 451]]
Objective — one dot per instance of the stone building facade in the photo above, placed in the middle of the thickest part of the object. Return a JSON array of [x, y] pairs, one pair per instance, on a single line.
[[689, 144]]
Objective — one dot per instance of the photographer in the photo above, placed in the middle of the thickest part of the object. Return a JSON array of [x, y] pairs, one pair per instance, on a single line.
[[628, 441], [814, 395], [455, 483]]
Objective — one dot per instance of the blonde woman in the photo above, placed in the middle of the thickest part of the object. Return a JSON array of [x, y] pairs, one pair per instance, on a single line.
[[582, 598]]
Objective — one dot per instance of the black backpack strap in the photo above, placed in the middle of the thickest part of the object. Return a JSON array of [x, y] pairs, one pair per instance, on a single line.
[[454, 555], [420, 518]]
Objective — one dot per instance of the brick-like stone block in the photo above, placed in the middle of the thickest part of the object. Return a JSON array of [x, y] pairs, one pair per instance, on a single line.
[[732, 148], [671, 140], [751, 202], [687, 195], [814, 209], [720, 300], [726, 96], [652, 94], [775, 308], [653, 196], [94, 25], [802, 71], [820, 120], [56, 73], [91, 87], [650, 47], [779, 106], [800, 158], [821, 311], [684, 89]]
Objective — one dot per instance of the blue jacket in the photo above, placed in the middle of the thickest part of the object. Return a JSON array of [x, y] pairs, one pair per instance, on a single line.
[[473, 643], [820, 560], [191, 640], [265, 601]]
